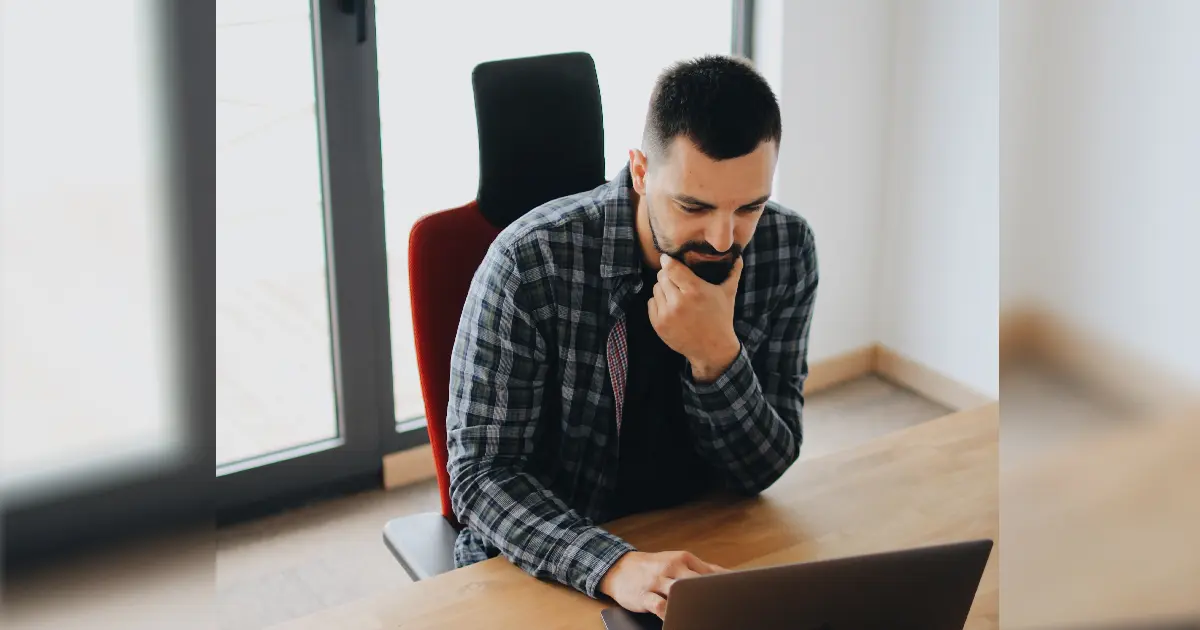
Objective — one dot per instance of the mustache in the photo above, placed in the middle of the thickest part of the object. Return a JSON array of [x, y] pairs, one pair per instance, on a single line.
[[702, 247]]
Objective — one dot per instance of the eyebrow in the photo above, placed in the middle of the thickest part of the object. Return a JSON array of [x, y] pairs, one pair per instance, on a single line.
[[692, 201]]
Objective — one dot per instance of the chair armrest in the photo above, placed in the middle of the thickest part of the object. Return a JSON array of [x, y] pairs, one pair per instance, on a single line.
[[423, 543]]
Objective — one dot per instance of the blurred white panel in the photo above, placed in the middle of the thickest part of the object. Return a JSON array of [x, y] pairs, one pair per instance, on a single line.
[[87, 381]]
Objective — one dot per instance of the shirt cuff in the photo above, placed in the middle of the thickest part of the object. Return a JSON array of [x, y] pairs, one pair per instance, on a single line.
[[729, 388], [592, 554]]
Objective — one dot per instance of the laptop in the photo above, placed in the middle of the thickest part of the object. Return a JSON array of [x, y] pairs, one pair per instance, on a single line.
[[930, 588]]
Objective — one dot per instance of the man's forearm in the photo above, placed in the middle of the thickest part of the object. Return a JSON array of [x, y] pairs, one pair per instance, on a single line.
[[539, 535], [738, 429]]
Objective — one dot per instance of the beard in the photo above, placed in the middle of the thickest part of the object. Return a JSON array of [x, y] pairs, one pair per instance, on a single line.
[[710, 271]]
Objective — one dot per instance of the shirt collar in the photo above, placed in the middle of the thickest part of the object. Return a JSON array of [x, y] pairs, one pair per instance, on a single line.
[[621, 250]]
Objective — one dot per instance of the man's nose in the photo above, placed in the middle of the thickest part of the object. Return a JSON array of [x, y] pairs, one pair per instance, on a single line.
[[720, 233]]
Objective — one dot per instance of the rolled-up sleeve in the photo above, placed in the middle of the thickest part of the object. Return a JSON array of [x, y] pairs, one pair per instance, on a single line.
[[747, 423]]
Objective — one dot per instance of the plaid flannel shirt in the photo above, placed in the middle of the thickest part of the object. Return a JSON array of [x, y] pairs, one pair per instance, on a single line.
[[538, 375]]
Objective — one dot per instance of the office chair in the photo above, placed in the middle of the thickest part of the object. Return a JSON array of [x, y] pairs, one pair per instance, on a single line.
[[541, 137]]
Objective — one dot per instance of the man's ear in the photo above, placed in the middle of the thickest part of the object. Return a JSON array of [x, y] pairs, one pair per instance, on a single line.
[[637, 170]]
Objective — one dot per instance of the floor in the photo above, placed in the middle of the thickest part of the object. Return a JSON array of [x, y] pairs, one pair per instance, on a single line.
[[293, 564]]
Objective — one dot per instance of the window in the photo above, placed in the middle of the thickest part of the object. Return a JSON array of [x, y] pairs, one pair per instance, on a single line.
[[275, 383]]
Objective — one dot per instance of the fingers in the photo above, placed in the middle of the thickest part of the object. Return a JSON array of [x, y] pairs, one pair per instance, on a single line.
[[662, 585], [735, 276], [699, 566], [655, 603], [665, 291], [675, 566], [652, 310], [681, 573], [667, 288], [677, 272]]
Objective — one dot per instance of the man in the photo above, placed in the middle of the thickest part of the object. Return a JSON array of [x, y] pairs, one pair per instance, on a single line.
[[632, 347]]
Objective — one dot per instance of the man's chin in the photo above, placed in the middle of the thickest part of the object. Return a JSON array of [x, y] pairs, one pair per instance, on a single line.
[[712, 271]]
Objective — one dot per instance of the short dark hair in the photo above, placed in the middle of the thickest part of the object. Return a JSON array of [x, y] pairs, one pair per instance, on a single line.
[[720, 103]]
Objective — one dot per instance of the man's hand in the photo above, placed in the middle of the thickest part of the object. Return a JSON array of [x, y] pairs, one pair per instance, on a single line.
[[695, 318], [641, 582]]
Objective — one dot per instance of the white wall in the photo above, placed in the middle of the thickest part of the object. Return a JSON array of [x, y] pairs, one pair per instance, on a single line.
[[938, 273], [827, 62], [1106, 178], [890, 150]]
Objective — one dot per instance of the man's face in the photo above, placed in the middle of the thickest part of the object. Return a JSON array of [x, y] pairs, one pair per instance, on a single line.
[[703, 212]]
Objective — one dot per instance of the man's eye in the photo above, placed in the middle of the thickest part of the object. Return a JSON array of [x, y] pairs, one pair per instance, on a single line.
[[691, 209], [753, 209]]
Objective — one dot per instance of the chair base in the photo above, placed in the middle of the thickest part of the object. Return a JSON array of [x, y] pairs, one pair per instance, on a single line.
[[423, 543]]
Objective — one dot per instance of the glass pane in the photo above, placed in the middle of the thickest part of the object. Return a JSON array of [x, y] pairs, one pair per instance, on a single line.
[[87, 350], [275, 386], [426, 53]]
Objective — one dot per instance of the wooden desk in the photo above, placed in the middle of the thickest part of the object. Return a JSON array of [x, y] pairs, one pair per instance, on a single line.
[[932, 483]]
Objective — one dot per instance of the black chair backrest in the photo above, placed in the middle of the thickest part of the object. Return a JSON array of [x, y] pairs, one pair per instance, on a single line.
[[541, 132]]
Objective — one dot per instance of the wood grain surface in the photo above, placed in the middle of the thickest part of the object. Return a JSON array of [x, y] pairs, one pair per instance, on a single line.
[[932, 483]]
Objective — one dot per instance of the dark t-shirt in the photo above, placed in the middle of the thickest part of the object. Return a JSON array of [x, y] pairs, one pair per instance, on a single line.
[[658, 465]]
